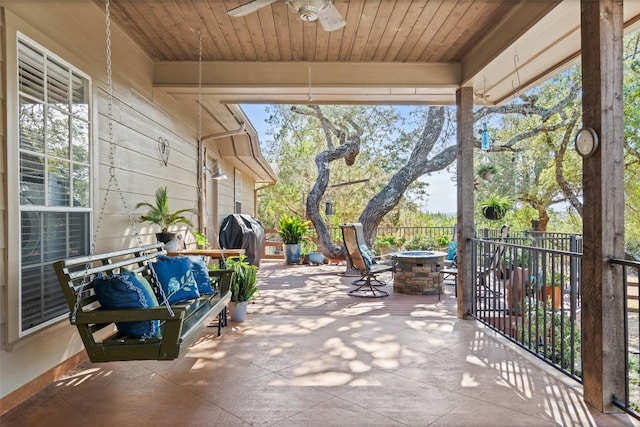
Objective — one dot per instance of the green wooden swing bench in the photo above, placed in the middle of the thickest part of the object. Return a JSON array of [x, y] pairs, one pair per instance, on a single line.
[[96, 325]]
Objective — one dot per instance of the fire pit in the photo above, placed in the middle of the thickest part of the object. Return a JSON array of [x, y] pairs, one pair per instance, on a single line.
[[417, 272]]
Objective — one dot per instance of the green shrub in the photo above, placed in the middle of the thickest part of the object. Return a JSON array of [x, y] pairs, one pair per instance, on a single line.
[[420, 243], [388, 242]]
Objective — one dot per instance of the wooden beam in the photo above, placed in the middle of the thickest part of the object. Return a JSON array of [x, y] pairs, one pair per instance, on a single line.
[[603, 349], [466, 276]]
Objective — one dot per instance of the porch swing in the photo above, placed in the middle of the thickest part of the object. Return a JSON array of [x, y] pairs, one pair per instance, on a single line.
[[108, 333]]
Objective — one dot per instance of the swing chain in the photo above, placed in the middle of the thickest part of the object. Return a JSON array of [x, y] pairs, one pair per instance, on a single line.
[[165, 300], [113, 181]]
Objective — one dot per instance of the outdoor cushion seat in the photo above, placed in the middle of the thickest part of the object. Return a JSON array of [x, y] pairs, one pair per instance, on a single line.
[[368, 284]]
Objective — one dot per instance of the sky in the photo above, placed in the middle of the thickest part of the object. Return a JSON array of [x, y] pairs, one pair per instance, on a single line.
[[442, 190]]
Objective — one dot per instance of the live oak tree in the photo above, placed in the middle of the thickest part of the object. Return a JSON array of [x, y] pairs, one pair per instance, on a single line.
[[533, 144]]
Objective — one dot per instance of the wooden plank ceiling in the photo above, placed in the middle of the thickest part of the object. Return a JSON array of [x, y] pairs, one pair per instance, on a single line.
[[375, 30], [389, 51]]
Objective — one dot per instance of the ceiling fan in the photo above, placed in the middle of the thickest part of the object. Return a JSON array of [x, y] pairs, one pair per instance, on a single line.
[[308, 10]]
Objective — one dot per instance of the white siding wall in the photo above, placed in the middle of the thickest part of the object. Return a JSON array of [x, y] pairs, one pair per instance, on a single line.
[[141, 116]]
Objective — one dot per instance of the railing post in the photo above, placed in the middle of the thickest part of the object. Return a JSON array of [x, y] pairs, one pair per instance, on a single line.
[[573, 276]]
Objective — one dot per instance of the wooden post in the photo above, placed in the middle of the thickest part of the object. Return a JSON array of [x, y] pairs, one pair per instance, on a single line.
[[603, 213], [464, 108]]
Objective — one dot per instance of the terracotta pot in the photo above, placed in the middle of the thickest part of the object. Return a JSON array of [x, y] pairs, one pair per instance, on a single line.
[[551, 293]]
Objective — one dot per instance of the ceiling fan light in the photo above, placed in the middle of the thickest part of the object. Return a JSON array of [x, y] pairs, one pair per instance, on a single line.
[[308, 13]]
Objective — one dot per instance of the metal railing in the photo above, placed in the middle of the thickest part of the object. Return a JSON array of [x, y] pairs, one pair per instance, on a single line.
[[528, 288], [631, 401], [531, 295]]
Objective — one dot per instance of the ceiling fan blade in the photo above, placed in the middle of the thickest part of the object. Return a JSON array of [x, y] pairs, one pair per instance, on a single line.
[[250, 7], [330, 18]]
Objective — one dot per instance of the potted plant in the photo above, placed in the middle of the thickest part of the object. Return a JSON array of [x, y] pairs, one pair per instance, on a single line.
[[243, 286], [159, 214], [486, 171], [552, 291], [495, 207], [201, 240], [443, 243], [388, 244], [292, 230], [420, 243]]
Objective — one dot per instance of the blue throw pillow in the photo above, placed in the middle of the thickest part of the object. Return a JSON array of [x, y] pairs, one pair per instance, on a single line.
[[366, 255], [153, 300], [176, 278], [125, 291], [201, 274], [452, 250]]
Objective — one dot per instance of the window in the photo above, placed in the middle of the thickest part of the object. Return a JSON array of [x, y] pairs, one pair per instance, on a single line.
[[237, 182], [55, 184]]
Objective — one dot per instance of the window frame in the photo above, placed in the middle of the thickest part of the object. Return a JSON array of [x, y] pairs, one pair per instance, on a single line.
[[14, 153], [237, 191]]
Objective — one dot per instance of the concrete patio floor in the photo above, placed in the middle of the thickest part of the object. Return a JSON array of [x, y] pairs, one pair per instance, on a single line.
[[310, 355]]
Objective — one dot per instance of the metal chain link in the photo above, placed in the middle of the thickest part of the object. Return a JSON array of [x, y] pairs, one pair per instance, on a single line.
[[113, 180]]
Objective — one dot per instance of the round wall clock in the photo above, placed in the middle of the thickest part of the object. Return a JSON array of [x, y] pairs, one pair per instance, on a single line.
[[586, 142]]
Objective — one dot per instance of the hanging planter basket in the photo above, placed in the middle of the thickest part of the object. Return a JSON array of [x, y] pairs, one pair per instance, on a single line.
[[493, 213], [495, 207], [486, 171]]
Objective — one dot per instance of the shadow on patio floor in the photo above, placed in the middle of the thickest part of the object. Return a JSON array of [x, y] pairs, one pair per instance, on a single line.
[[310, 355]]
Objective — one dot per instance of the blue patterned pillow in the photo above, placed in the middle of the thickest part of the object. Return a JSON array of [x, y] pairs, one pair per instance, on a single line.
[[125, 291], [201, 274], [176, 278]]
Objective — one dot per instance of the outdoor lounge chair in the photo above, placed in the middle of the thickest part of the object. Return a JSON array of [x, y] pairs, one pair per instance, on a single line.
[[361, 260]]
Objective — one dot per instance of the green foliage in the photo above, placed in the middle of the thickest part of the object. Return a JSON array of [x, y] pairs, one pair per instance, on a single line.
[[555, 279], [486, 168], [201, 239], [388, 135], [245, 278], [420, 243], [443, 241], [634, 380], [292, 229], [388, 242], [549, 333], [499, 204], [159, 213]]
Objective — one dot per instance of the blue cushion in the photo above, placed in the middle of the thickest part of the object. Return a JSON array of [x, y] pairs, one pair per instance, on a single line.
[[176, 278], [125, 291], [201, 274], [366, 255], [153, 300], [452, 250]]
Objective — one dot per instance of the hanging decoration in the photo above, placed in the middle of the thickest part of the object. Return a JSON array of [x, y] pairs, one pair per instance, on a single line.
[[486, 142], [516, 61], [164, 148]]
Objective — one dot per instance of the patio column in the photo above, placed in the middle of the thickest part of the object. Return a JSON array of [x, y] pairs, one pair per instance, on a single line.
[[464, 109], [603, 213]]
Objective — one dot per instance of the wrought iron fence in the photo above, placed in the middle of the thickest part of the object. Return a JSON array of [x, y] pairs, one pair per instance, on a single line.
[[631, 401], [531, 295]]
